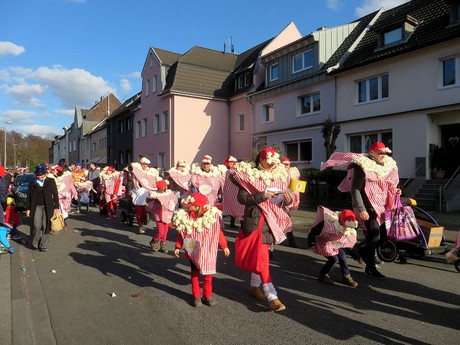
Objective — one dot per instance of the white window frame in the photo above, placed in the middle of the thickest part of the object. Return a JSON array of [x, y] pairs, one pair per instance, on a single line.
[[161, 160], [240, 123], [299, 157], [456, 61], [155, 84], [303, 61], [271, 69], [164, 121], [367, 83], [392, 36], [312, 97], [156, 123], [144, 134], [268, 113], [368, 138]]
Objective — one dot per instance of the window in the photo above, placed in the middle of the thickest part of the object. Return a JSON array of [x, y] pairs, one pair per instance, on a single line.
[[373, 89], [154, 86], [165, 122], [392, 36], [310, 103], [120, 126], [268, 113], [161, 160], [121, 155], [454, 12], [94, 147], [144, 134], [147, 87], [109, 129], [273, 70], [299, 151], [448, 72], [139, 129], [302, 61], [247, 79], [128, 124], [156, 124], [362, 142], [240, 123], [240, 81]]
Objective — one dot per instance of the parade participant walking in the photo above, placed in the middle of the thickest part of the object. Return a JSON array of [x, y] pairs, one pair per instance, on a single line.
[[144, 181], [200, 235], [294, 174], [179, 178], [3, 194], [41, 203], [331, 232], [208, 179], [230, 205], [66, 189], [110, 180], [93, 176], [264, 192], [372, 180], [164, 203]]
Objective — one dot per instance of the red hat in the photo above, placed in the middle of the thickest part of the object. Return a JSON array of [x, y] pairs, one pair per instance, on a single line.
[[2, 171], [196, 199], [109, 168], [379, 146], [349, 218], [162, 184], [59, 168], [286, 160], [270, 154], [206, 159]]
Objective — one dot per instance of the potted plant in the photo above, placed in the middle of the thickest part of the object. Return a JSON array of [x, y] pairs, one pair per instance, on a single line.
[[437, 161]]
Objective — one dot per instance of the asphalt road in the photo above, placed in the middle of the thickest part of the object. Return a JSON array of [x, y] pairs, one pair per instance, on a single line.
[[65, 296]]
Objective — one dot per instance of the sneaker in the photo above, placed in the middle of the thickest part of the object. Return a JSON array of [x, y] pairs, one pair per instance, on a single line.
[[197, 302], [276, 305], [109, 217], [374, 274], [209, 301], [325, 278], [11, 250], [377, 260], [163, 248], [16, 237], [348, 280], [141, 230], [256, 292]]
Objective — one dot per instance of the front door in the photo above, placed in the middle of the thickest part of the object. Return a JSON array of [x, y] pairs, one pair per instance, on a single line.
[[451, 147]]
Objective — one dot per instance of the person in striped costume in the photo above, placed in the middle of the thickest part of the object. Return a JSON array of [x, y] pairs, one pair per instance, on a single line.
[[199, 235], [230, 205], [331, 233], [372, 180], [264, 192]]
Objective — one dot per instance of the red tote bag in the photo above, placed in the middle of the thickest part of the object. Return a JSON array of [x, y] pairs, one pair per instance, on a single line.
[[247, 249]]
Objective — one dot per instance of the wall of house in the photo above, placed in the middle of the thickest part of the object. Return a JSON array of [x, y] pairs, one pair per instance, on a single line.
[[99, 137], [200, 128], [241, 142], [422, 68]]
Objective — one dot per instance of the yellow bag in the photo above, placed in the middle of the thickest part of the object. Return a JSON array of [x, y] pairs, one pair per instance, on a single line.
[[57, 222]]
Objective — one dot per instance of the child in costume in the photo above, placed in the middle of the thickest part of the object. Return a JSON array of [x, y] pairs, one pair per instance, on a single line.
[[164, 204], [12, 217], [331, 234], [199, 235]]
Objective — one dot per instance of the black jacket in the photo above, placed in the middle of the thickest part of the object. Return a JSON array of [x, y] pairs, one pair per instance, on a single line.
[[50, 193]]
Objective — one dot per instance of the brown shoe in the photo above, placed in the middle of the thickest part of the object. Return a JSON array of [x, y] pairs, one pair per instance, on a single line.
[[163, 248], [155, 245], [324, 278], [257, 293], [276, 305], [348, 280]]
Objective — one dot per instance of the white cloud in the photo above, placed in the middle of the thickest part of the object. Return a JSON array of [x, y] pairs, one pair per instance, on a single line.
[[125, 85], [370, 6], [9, 48], [74, 87], [19, 116], [334, 5], [133, 75], [24, 94], [69, 112], [40, 130]]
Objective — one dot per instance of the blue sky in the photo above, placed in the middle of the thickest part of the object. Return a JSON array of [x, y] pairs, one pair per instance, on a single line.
[[59, 54]]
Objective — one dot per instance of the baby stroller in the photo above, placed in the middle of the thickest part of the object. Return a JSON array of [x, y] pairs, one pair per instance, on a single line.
[[429, 240]]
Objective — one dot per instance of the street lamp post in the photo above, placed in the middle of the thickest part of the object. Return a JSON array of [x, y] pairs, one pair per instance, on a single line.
[[4, 152], [14, 156]]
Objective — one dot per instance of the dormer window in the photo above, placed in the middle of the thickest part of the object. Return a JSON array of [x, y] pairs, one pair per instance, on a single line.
[[273, 72], [392, 36], [454, 11], [396, 32]]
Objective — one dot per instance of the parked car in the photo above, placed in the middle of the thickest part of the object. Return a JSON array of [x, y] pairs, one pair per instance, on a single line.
[[19, 189]]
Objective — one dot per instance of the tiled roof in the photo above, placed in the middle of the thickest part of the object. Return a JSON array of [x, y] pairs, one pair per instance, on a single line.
[[99, 110], [167, 57], [433, 28], [128, 105]]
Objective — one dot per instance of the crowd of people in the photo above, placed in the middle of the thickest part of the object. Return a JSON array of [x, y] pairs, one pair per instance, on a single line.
[[194, 199]]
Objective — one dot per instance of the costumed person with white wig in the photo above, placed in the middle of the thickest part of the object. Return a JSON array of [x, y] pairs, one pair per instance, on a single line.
[[264, 192], [208, 179], [179, 179]]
